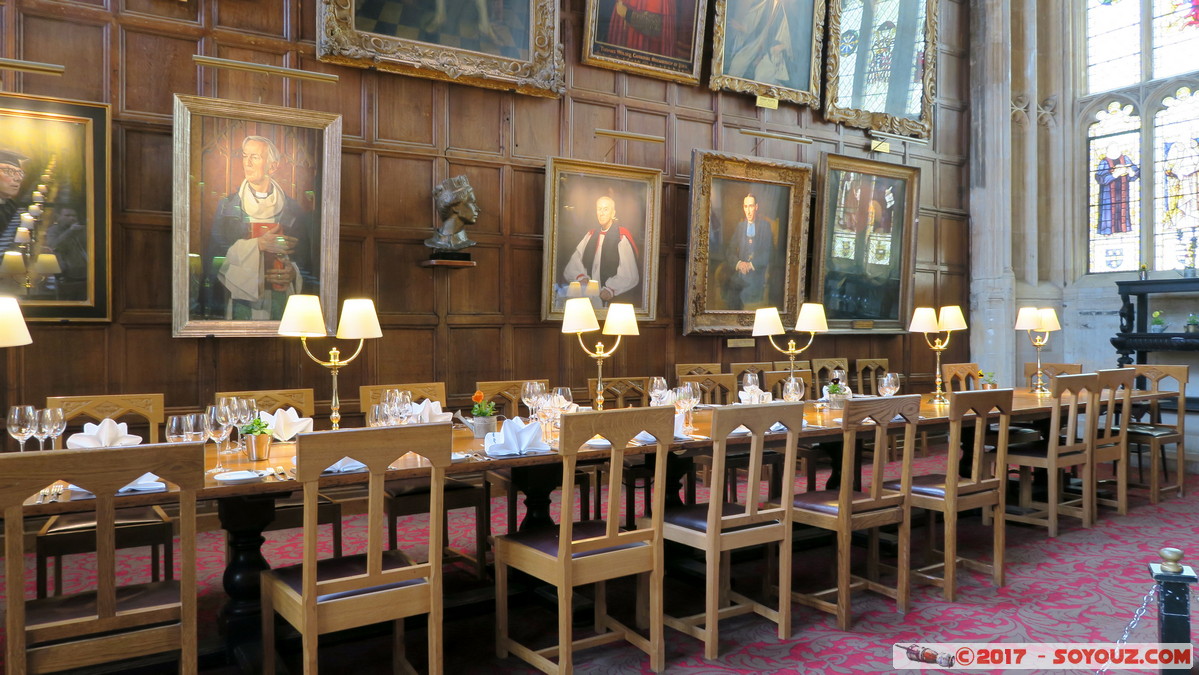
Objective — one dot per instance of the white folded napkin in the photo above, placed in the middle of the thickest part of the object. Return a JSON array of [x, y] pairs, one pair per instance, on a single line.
[[286, 423], [106, 434], [346, 465], [662, 398], [428, 411], [678, 428], [515, 437], [779, 426], [147, 482]]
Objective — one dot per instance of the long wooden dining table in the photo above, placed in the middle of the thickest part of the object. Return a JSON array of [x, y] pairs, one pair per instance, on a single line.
[[245, 510]]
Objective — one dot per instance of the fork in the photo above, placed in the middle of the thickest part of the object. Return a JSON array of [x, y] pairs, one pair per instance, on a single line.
[[45, 493], [56, 492], [280, 474]]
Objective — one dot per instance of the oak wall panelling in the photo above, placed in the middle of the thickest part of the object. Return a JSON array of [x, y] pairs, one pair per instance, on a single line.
[[401, 136]]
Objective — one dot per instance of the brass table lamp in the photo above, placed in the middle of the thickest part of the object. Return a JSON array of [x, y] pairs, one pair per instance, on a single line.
[[1043, 321], [811, 319], [928, 321], [303, 318], [579, 317]]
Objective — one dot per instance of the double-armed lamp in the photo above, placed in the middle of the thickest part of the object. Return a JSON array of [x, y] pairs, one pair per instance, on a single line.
[[578, 317], [13, 331], [1043, 321], [811, 319], [303, 318], [931, 322]]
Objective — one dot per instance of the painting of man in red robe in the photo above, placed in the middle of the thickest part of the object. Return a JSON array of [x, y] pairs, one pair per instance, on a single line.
[[643, 25], [1115, 174]]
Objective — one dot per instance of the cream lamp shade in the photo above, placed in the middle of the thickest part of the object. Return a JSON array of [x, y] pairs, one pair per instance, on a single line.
[[578, 316], [13, 331], [811, 318], [302, 317], [13, 263], [767, 321], [358, 320], [1040, 320], [23, 236], [924, 320], [951, 318], [47, 263], [622, 320]]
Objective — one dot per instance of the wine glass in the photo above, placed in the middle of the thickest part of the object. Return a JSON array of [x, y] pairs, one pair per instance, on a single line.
[[403, 407], [217, 418], [43, 428], [197, 431], [793, 389], [375, 417], [562, 398], [178, 427], [60, 425], [22, 421], [530, 393], [750, 382], [247, 409], [888, 384], [225, 416], [657, 390]]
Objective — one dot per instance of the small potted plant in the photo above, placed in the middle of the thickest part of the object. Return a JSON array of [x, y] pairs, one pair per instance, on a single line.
[[483, 413], [257, 436], [837, 393], [986, 380], [1192, 323], [1158, 323]]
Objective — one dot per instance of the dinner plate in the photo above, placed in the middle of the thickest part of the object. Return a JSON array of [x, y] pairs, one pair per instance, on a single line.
[[237, 477], [460, 457]]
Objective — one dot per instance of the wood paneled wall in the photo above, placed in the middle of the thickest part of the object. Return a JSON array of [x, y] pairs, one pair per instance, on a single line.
[[403, 135]]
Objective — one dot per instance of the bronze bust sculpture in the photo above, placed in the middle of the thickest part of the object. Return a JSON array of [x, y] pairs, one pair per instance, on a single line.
[[455, 201]]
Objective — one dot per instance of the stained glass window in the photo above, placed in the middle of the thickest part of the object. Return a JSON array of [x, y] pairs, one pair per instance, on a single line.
[[1176, 189], [868, 68], [1175, 36], [1115, 204], [1113, 44]]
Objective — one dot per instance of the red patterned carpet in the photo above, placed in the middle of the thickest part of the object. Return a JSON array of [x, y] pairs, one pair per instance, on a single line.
[[1080, 587]]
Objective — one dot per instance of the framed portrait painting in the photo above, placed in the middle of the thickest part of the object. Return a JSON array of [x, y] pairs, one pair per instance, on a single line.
[[866, 238], [659, 38], [601, 236], [882, 65], [769, 48], [498, 44], [748, 240], [54, 207], [256, 205]]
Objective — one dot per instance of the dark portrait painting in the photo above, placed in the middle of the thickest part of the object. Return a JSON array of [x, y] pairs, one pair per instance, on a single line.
[[661, 38], [747, 240], [497, 27]]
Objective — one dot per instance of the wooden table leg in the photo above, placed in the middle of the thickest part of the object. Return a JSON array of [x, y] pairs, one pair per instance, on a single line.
[[244, 518]]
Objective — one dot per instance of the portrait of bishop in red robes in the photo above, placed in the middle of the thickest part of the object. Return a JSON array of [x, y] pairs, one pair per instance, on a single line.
[[643, 25]]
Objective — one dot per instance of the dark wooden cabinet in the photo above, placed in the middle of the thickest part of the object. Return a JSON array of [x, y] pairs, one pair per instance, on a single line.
[[1134, 336]]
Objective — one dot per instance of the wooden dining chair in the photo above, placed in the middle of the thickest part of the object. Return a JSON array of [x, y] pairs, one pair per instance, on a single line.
[[1050, 371], [1110, 442], [1072, 447], [718, 389], [1156, 433], [593, 551], [867, 372], [720, 526], [371, 394], [822, 370], [622, 392], [289, 510], [321, 596], [757, 367], [507, 394], [960, 376], [72, 533], [681, 369], [410, 496], [106, 623], [786, 365], [950, 494], [846, 510]]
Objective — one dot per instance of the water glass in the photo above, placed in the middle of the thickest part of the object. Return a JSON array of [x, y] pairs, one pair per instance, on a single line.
[[225, 416], [750, 382], [178, 428], [197, 431], [403, 407], [888, 384], [657, 391], [60, 425], [793, 390], [22, 422], [218, 430], [530, 393], [44, 428], [377, 415]]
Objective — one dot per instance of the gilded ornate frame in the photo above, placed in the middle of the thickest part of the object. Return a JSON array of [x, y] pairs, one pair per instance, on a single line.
[[722, 79], [27, 123], [618, 57], [706, 310], [838, 110], [339, 41], [834, 282], [197, 184], [572, 188]]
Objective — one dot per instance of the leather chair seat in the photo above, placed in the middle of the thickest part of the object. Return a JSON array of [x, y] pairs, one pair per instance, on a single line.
[[1152, 430], [420, 485], [1035, 450], [74, 522], [932, 485], [346, 566], [823, 501], [695, 517], [545, 539], [62, 608]]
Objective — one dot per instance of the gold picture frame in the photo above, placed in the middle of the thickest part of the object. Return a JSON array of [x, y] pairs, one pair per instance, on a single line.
[[583, 199], [733, 269], [518, 49], [769, 48], [866, 236], [55, 178], [858, 63], [256, 203], [658, 38]]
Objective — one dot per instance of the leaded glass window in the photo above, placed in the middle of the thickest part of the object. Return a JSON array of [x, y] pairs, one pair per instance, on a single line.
[[1113, 44], [1115, 207]]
